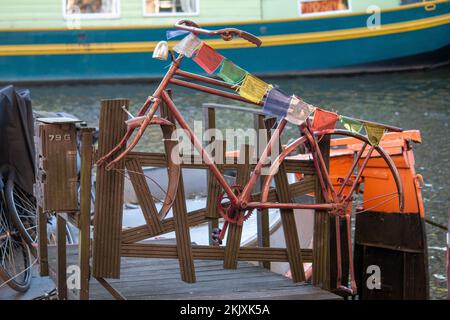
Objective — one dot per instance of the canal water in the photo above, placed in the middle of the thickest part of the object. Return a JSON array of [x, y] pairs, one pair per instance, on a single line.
[[411, 100]]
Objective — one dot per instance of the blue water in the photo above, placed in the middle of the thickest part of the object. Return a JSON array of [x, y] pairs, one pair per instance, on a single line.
[[411, 100]]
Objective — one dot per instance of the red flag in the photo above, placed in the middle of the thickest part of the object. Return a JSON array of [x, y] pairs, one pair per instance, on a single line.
[[324, 120], [208, 58]]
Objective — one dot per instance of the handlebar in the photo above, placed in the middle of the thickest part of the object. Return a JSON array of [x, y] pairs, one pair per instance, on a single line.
[[227, 34]]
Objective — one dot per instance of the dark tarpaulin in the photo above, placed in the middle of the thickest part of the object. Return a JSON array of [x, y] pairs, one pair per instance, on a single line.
[[16, 135]]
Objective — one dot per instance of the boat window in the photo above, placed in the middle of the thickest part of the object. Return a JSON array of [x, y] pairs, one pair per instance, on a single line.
[[323, 7], [170, 7], [94, 9]]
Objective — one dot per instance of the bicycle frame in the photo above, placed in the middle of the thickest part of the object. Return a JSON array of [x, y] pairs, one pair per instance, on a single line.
[[241, 201]]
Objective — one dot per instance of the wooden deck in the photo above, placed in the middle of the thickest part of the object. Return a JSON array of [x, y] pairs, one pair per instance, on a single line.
[[160, 279]]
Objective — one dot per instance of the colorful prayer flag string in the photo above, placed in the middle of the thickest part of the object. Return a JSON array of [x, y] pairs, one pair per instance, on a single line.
[[231, 73], [276, 103], [299, 111], [253, 89], [374, 133], [208, 58], [324, 120], [351, 124], [188, 45], [175, 33]]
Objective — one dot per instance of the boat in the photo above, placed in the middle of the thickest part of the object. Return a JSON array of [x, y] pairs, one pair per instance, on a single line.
[[87, 40]]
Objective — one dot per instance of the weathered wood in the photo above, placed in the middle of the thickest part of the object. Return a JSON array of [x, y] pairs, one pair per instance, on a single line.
[[322, 228], [61, 258], [42, 238], [166, 251], [262, 218], [143, 278], [230, 163], [113, 291], [288, 221], [109, 194], [84, 220], [180, 218], [235, 229], [141, 233], [144, 196]]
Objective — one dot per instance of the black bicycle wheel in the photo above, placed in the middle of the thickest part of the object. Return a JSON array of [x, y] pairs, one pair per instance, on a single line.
[[22, 209], [15, 255]]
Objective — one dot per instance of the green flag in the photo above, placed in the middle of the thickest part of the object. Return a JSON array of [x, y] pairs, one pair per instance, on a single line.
[[374, 133], [351, 124], [231, 73]]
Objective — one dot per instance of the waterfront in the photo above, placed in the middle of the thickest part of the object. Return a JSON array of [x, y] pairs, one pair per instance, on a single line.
[[411, 100]]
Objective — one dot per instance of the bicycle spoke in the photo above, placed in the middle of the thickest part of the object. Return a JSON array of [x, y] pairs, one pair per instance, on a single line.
[[352, 169]]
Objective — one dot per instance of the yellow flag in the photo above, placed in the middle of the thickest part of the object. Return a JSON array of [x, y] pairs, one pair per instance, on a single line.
[[374, 133], [253, 89]]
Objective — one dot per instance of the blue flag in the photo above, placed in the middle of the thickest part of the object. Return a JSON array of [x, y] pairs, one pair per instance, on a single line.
[[175, 33], [277, 103]]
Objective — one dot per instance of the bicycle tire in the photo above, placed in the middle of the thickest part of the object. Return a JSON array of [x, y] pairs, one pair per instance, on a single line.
[[16, 272]]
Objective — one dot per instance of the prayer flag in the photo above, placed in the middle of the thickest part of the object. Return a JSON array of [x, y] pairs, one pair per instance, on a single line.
[[374, 133], [324, 120], [299, 110], [351, 124], [208, 58], [231, 73], [188, 45], [175, 33], [253, 89], [277, 103]]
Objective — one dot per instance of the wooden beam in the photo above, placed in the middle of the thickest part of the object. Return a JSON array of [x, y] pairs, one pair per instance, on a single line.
[[235, 229], [167, 251], [42, 241], [84, 220], [181, 223], [144, 196], [61, 258], [109, 194], [288, 221]]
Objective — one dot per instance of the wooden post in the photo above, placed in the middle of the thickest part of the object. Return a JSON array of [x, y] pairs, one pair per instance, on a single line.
[[109, 194], [235, 230], [85, 211], [61, 257], [262, 218], [214, 188], [288, 220], [43, 245], [322, 243], [181, 223]]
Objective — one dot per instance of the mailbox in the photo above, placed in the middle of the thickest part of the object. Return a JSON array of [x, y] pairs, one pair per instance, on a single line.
[[56, 151]]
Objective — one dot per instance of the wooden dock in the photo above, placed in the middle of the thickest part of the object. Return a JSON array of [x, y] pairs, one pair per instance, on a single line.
[[159, 279]]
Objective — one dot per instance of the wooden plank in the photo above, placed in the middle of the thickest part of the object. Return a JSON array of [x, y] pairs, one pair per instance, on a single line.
[[235, 229], [61, 258], [42, 241], [181, 224], [149, 250], [230, 163], [84, 222], [288, 221], [114, 292], [322, 227], [144, 196], [262, 218], [156, 279], [109, 194]]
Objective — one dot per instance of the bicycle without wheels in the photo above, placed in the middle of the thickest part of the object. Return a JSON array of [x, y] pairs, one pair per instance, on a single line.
[[340, 198]]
